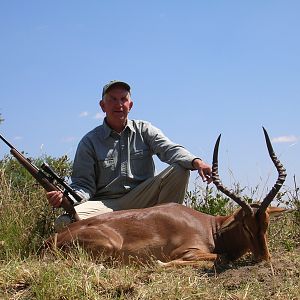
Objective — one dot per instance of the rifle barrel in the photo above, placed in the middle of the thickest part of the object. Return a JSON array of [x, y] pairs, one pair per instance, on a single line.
[[42, 179], [6, 142]]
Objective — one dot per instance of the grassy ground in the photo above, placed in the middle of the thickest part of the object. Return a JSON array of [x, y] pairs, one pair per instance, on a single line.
[[26, 220], [76, 277]]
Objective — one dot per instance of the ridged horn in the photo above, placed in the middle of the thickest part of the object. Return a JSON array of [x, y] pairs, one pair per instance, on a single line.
[[281, 175], [216, 180]]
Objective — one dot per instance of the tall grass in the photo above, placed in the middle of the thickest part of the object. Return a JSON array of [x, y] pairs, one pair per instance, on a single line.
[[25, 217]]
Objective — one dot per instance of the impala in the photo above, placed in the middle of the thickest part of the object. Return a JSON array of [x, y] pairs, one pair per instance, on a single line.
[[175, 234]]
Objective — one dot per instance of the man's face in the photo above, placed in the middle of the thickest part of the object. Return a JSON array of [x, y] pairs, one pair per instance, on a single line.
[[116, 103]]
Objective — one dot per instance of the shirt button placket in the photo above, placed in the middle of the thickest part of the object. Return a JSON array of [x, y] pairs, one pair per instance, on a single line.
[[123, 156]]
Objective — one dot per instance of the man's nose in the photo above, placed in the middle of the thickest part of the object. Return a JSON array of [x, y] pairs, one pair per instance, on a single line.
[[119, 102]]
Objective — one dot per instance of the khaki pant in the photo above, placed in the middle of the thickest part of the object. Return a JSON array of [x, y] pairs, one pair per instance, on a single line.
[[168, 186]]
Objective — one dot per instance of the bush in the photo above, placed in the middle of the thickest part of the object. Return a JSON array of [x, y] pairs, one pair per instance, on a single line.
[[208, 201]]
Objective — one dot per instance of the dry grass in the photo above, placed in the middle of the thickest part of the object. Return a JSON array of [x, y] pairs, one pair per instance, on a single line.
[[77, 277]]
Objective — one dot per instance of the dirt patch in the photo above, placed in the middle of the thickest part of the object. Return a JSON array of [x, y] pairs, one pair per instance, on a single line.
[[269, 276]]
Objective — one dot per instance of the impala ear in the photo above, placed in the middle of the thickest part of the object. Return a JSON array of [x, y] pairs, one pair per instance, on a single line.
[[230, 223], [277, 211]]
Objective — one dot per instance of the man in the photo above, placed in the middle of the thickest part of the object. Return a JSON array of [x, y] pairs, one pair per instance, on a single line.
[[113, 167]]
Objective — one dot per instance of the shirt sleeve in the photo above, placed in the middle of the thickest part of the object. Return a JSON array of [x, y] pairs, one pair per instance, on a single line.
[[166, 150], [84, 170]]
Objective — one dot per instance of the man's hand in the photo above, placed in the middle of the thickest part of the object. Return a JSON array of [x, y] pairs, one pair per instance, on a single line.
[[204, 170], [54, 198]]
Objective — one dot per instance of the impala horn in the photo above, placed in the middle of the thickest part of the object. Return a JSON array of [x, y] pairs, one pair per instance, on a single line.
[[216, 180], [281, 175]]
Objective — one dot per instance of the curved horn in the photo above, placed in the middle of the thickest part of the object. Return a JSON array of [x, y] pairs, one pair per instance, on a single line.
[[281, 175], [216, 180]]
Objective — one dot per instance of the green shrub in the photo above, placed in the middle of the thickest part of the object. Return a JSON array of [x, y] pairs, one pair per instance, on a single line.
[[208, 200]]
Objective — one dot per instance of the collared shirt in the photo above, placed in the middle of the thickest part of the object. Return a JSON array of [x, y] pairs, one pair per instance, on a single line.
[[108, 165]]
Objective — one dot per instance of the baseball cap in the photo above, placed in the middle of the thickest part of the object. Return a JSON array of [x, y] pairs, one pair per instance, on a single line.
[[115, 82]]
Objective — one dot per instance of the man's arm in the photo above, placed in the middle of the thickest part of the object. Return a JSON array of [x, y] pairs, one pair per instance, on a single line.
[[84, 170], [170, 152], [83, 177]]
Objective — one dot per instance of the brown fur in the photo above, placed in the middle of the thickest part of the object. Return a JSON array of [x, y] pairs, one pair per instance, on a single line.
[[171, 233]]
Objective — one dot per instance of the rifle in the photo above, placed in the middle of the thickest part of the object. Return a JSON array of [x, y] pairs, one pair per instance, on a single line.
[[47, 178]]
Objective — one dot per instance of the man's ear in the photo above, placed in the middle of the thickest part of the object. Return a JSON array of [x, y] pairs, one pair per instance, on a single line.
[[130, 105], [102, 105]]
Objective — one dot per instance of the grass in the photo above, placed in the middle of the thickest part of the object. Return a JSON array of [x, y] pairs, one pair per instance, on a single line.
[[77, 277], [26, 221]]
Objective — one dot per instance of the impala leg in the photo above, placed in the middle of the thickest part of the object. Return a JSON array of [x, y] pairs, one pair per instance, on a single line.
[[191, 257], [181, 263]]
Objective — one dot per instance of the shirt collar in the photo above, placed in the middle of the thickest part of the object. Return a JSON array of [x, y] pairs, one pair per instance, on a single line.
[[130, 125], [107, 130]]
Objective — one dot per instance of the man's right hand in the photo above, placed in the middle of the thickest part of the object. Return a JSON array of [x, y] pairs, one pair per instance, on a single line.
[[55, 198]]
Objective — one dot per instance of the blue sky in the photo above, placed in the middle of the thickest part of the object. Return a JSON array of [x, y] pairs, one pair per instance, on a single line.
[[197, 69]]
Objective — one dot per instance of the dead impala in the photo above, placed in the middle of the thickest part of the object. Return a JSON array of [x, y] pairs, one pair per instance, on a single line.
[[177, 235]]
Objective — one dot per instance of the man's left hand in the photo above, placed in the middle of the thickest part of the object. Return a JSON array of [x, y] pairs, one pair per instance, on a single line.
[[204, 170]]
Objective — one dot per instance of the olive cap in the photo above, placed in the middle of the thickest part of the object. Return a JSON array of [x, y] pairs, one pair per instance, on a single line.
[[112, 83]]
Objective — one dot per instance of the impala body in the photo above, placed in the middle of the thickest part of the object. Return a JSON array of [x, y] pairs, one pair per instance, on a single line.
[[178, 235], [170, 233]]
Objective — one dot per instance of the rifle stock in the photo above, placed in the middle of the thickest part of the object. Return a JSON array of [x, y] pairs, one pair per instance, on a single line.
[[43, 180]]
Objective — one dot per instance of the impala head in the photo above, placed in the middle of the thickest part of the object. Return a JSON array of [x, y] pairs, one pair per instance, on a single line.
[[249, 224]]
